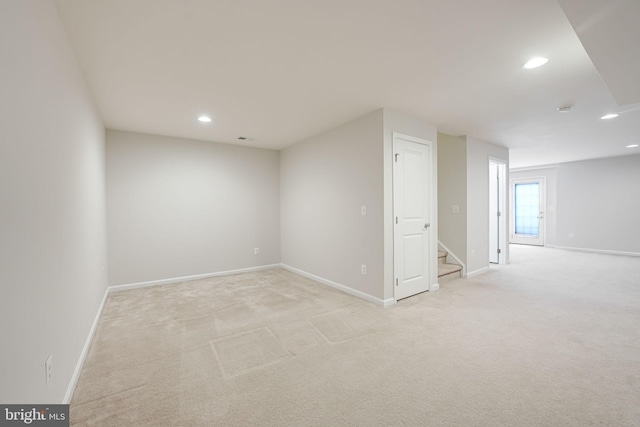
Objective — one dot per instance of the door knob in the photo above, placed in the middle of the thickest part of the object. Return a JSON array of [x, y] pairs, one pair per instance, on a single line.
[[426, 225]]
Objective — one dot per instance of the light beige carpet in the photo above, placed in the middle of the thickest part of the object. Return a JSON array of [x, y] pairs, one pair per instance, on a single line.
[[551, 339]]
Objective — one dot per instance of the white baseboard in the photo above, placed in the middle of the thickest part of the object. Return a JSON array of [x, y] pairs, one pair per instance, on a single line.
[[478, 272], [85, 351], [596, 251], [388, 302], [346, 289], [464, 267], [128, 286]]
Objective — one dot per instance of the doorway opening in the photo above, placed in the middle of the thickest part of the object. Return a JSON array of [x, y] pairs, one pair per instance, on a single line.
[[497, 211]]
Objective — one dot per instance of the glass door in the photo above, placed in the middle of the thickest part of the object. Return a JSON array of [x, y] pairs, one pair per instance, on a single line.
[[527, 204]]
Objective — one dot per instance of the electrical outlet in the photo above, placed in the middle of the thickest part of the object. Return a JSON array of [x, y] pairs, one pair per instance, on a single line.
[[256, 251], [363, 210], [363, 269], [48, 369], [473, 253]]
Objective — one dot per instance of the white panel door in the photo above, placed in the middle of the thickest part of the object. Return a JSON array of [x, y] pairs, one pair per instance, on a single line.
[[412, 229]]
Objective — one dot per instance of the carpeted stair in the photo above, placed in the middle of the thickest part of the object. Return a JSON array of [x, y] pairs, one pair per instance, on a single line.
[[446, 271]]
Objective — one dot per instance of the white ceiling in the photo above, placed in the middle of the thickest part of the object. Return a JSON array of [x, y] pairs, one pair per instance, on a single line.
[[280, 71]]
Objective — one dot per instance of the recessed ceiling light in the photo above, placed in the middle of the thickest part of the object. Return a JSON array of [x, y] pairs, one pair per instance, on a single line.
[[633, 146], [535, 62], [609, 116], [204, 119]]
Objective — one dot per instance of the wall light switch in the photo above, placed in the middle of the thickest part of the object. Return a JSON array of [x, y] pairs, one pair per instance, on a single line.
[[455, 209]]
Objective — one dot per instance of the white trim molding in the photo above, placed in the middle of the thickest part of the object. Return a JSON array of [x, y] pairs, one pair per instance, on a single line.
[[477, 272], [85, 351], [346, 289], [128, 286], [596, 251]]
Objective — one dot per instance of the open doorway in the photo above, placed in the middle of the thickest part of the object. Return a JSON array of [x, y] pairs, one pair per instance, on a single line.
[[497, 209]]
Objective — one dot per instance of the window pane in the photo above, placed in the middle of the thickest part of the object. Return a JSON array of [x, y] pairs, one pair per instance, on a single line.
[[527, 209]]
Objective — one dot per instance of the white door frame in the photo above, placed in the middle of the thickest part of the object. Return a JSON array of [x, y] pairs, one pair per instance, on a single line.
[[431, 258], [524, 240], [502, 238]]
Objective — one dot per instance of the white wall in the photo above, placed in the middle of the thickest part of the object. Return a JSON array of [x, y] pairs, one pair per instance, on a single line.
[[478, 154], [395, 121], [550, 208], [599, 204], [52, 205], [324, 182], [452, 190], [179, 207], [591, 204]]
